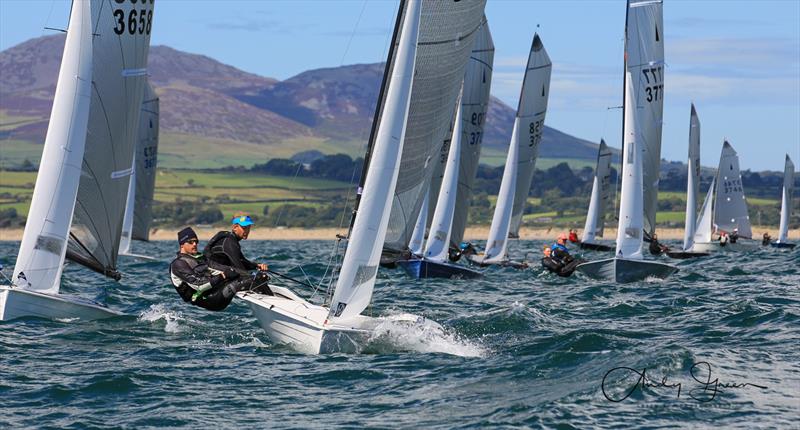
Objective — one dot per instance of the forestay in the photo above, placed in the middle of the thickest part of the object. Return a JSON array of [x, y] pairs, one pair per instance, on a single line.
[[530, 116], [360, 264], [645, 63], [692, 180], [120, 45], [41, 253], [601, 195], [786, 199], [730, 206], [446, 34]]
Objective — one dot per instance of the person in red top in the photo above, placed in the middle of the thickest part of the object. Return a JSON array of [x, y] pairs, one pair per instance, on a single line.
[[573, 236]]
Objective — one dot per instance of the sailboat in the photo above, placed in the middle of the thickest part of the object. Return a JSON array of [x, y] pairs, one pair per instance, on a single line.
[[287, 317], [786, 205], [522, 152], [86, 157], [601, 194], [726, 206], [692, 190], [434, 262], [644, 63], [138, 207]]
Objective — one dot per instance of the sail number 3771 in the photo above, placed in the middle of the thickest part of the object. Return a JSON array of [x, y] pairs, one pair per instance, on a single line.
[[137, 22]]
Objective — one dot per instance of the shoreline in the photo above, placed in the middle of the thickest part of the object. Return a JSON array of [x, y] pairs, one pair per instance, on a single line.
[[328, 233]]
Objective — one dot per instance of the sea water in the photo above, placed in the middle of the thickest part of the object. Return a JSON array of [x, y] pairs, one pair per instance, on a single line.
[[716, 345]]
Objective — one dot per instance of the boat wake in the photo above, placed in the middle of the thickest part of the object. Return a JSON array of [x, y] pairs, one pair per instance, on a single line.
[[159, 312], [407, 332]]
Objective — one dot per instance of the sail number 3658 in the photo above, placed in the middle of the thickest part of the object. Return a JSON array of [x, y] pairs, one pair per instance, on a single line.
[[655, 83], [138, 21]]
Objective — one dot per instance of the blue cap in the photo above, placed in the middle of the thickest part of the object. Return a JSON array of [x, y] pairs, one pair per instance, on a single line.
[[243, 221]]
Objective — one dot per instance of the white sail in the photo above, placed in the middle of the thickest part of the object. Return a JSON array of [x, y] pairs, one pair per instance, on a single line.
[[474, 105], [530, 113], [446, 35], [438, 243], [120, 46], [127, 221], [786, 200], [146, 162], [360, 265], [645, 63], [601, 194], [41, 253], [704, 227], [730, 205], [416, 246], [497, 244], [692, 180], [630, 227]]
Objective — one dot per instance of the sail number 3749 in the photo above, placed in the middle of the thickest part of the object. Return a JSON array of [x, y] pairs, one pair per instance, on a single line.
[[137, 22]]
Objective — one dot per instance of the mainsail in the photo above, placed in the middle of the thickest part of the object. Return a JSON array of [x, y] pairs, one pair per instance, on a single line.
[[119, 77], [644, 58], [629, 228], [692, 180], [360, 265], [522, 151], [530, 116], [41, 253], [786, 200], [138, 207], [474, 105], [601, 194], [446, 33], [730, 206]]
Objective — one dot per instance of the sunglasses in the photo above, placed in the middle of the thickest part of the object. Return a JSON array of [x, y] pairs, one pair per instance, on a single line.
[[192, 242]]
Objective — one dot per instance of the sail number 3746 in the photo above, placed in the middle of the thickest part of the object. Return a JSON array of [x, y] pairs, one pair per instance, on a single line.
[[137, 22]]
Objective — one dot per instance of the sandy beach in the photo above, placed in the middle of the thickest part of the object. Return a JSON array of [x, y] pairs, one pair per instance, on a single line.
[[472, 233]]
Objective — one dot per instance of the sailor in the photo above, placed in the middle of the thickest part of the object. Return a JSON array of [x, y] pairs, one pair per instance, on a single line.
[[549, 263], [723, 238], [560, 251], [573, 236], [735, 235], [765, 241], [224, 248], [464, 248], [655, 247], [198, 284]]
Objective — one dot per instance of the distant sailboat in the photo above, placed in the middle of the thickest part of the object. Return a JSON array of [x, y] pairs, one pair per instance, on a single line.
[[692, 190], [727, 208], [522, 152], [643, 89], [786, 205], [138, 208], [86, 158], [601, 195], [288, 318]]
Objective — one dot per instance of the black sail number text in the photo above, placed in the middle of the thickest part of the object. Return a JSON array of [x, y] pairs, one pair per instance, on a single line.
[[535, 132], [137, 21], [654, 78]]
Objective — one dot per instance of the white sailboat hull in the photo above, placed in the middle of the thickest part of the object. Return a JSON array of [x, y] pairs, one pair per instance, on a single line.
[[20, 303], [623, 270], [715, 247], [290, 320]]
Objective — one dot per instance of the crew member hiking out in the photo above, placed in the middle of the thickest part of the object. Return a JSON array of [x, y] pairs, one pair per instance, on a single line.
[[560, 254], [224, 247], [200, 285]]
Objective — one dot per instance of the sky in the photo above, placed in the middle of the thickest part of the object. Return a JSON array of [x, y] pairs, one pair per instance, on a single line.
[[738, 61]]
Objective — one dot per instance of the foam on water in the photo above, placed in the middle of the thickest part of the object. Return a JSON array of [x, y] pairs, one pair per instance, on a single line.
[[159, 312], [414, 333]]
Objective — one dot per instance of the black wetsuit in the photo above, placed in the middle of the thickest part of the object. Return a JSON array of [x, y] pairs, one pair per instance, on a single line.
[[734, 237], [568, 263], [655, 247], [765, 241], [200, 286], [224, 249], [552, 265]]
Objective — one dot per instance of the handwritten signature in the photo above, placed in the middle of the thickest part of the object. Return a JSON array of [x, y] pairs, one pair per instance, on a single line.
[[705, 391]]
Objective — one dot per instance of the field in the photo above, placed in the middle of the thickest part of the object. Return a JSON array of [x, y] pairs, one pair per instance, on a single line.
[[240, 192]]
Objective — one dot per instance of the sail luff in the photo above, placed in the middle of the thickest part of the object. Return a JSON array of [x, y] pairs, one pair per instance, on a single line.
[[496, 244], [692, 179], [786, 200], [360, 265], [439, 237], [43, 247]]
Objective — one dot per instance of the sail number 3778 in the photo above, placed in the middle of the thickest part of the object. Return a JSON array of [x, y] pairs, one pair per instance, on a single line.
[[137, 21]]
